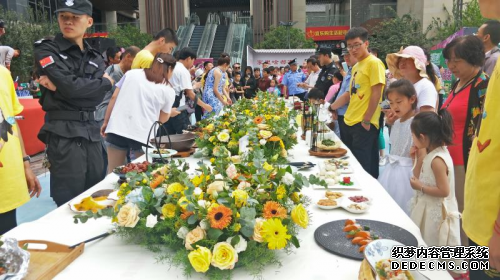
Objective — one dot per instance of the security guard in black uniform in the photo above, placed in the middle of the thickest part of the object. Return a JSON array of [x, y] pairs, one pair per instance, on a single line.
[[328, 69], [73, 83]]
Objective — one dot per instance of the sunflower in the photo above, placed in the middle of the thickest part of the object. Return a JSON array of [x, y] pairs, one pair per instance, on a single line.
[[275, 234], [258, 120], [220, 217], [273, 209]]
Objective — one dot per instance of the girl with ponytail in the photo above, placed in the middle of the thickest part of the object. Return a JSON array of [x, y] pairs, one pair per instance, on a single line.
[[434, 206]]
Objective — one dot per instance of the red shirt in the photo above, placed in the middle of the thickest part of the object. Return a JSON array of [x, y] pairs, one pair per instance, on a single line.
[[457, 104]]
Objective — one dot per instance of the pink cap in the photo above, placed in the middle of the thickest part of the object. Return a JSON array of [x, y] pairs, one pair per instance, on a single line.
[[418, 54]]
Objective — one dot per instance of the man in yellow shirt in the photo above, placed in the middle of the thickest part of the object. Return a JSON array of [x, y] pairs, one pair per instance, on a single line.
[[17, 181], [164, 42], [481, 216], [365, 94]]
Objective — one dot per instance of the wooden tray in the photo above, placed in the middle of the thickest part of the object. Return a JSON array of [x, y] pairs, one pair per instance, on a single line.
[[46, 263], [329, 154], [185, 153]]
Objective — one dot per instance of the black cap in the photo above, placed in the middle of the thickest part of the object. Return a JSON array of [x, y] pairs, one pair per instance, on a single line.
[[325, 50], [1, 24], [79, 7], [292, 62]]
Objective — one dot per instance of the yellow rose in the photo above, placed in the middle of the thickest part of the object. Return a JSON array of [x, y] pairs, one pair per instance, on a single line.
[[168, 210], [212, 160], [257, 235], [211, 139], [281, 192], [233, 144], [210, 128], [175, 188], [223, 136], [128, 216], [240, 197], [267, 166], [197, 180], [217, 186], [265, 134], [224, 256], [300, 216], [276, 118], [200, 259], [194, 236], [237, 227], [236, 159], [183, 203], [295, 197], [263, 126], [268, 117]]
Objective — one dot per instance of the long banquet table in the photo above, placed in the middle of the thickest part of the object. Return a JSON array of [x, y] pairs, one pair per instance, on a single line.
[[113, 258]]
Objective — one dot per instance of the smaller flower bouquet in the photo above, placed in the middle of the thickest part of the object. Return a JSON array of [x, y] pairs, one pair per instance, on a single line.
[[265, 120]]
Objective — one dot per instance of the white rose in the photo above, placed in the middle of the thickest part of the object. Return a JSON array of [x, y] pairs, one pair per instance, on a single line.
[[288, 179], [216, 186], [151, 220], [219, 177], [202, 203], [128, 215], [243, 185], [262, 142], [197, 191], [256, 230], [205, 224], [183, 231], [240, 246], [231, 171], [194, 236]]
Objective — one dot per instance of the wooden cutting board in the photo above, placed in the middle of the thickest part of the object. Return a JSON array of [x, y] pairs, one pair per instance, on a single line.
[[46, 263]]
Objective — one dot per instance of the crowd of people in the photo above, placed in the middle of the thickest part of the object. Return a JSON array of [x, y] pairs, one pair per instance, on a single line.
[[441, 168]]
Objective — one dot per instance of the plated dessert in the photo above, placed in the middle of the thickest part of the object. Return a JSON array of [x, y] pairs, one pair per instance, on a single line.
[[354, 204]]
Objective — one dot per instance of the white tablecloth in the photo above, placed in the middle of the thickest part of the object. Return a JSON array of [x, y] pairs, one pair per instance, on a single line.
[[112, 258]]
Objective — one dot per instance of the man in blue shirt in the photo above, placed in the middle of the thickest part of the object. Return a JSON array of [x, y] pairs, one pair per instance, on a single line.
[[340, 126], [291, 81]]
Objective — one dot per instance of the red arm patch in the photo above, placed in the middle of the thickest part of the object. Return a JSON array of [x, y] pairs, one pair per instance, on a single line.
[[46, 61]]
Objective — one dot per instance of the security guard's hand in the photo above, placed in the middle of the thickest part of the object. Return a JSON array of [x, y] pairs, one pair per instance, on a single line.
[[34, 187], [47, 83], [109, 78]]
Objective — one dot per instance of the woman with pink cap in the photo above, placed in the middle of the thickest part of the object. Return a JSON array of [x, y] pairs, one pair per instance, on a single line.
[[411, 64]]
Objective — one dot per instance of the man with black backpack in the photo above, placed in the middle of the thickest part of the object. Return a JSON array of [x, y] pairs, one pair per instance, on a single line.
[[181, 82]]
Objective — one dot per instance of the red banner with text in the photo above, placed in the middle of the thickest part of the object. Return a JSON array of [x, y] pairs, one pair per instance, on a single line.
[[327, 33]]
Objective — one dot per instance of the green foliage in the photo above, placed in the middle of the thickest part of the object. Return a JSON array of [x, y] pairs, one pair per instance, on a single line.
[[22, 32], [129, 35], [443, 28], [398, 32], [277, 38]]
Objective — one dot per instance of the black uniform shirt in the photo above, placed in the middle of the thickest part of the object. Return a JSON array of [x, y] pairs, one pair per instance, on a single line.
[[325, 77], [78, 76]]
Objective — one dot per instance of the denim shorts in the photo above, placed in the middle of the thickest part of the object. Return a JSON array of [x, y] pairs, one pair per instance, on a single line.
[[121, 143]]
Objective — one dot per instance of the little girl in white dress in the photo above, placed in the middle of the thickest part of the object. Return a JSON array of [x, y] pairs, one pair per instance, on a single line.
[[434, 206], [396, 176]]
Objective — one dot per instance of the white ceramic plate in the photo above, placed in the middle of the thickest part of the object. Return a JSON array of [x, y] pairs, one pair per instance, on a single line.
[[338, 186], [151, 153], [381, 249], [339, 200], [370, 199], [347, 203]]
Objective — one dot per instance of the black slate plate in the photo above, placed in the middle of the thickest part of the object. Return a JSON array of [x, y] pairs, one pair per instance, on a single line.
[[332, 238]]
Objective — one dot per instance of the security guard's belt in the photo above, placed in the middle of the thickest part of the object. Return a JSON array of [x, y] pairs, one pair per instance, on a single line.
[[82, 116]]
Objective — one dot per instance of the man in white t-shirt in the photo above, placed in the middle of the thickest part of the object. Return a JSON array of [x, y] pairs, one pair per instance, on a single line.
[[313, 70], [6, 55], [181, 82]]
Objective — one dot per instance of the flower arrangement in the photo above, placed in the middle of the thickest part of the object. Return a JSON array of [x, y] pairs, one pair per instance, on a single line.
[[237, 212], [265, 120]]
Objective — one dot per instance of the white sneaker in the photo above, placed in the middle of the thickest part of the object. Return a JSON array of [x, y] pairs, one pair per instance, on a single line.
[[382, 161]]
